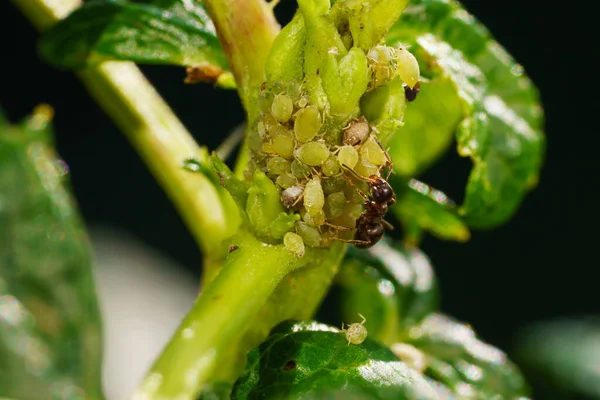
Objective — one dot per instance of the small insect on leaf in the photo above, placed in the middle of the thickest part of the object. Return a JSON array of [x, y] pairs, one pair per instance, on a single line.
[[356, 333]]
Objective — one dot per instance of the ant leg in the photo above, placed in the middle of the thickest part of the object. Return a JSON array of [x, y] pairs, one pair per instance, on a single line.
[[351, 241], [387, 225], [341, 228], [298, 199], [389, 164], [362, 194]]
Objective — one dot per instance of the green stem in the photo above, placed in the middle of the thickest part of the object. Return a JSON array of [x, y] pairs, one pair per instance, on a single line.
[[246, 29], [222, 314], [154, 131]]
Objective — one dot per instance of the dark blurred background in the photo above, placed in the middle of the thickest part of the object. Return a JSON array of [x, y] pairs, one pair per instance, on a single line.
[[540, 265]]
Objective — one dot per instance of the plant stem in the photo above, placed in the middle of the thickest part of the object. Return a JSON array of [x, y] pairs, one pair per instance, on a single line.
[[223, 312], [246, 29], [154, 131]]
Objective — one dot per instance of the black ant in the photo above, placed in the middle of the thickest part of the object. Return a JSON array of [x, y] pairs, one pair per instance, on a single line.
[[370, 225]]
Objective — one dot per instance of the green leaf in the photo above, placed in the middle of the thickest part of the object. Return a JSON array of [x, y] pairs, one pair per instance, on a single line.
[[429, 124], [387, 279], [393, 287], [50, 342], [422, 207], [500, 123], [309, 360], [465, 364], [563, 353], [165, 32]]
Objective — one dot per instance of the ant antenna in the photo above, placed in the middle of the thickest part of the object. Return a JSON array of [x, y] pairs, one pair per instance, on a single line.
[[351, 241], [389, 163]]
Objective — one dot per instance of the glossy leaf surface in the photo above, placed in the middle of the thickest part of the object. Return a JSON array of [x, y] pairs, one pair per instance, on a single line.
[[401, 282], [465, 364], [309, 360], [394, 288], [172, 32], [50, 343], [499, 126], [421, 207]]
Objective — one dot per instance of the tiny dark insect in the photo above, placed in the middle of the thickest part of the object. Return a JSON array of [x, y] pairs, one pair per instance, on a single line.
[[370, 226], [290, 365], [411, 94]]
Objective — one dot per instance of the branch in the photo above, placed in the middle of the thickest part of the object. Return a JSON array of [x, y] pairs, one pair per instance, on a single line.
[[225, 311], [246, 29], [155, 132]]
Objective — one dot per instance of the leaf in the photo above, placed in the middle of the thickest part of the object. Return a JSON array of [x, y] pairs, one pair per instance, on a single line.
[[391, 279], [50, 340], [388, 279], [429, 123], [465, 364], [564, 353], [165, 32], [422, 207], [309, 360], [501, 121]]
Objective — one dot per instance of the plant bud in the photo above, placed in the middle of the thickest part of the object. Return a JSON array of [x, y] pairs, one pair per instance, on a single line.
[[263, 204], [345, 81]]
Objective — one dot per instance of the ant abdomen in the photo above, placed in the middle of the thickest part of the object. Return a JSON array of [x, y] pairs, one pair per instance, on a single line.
[[368, 234]]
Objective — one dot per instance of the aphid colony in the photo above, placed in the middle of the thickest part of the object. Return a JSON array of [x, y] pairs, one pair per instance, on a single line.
[[329, 172]]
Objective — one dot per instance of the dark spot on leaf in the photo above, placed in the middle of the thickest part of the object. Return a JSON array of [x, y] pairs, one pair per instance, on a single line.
[[290, 365]]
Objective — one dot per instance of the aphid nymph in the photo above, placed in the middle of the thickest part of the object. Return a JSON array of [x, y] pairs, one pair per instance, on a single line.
[[356, 333]]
